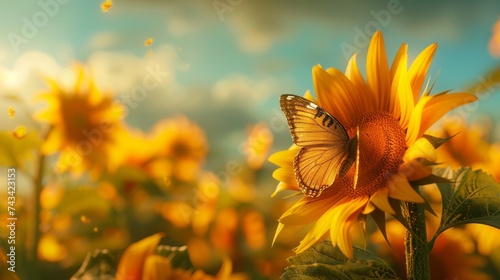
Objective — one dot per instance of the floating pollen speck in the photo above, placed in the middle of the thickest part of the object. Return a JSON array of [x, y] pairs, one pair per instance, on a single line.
[[106, 5], [11, 112], [96, 229], [148, 42], [84, 219], [167, 181], [20, 132]]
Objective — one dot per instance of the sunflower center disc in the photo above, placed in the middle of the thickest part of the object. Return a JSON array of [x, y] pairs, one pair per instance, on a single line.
[[382, 144]]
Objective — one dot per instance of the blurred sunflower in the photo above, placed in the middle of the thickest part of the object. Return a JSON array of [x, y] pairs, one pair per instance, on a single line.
[[175, 147], [184, 143], [139, 261], [494, 43], [83, 124], [132, 149], [452, 256], [486, 238], [392, 113], [257, 145], [469, 147]]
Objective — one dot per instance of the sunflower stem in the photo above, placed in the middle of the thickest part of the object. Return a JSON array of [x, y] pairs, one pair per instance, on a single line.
[[416, 249], [38, 185]]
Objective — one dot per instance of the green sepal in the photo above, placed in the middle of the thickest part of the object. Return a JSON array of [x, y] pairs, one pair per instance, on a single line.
[[436, 142], [178, 256], [378, 217], [431, 179]]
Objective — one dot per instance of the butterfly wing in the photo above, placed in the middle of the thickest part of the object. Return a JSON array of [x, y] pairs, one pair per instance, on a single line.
[[324, 143]]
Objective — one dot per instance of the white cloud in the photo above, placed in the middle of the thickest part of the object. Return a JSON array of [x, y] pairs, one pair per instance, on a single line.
[[25, 78], [120, 72], [103, 39], [180, 25], [20, 84], [241, 88]]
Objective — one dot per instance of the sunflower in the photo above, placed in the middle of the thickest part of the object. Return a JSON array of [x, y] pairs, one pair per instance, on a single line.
[[390, 112], [494, 43], [183, 142], [139, 261], [176, 147], [469, 147], [257, 145], [83, 124]]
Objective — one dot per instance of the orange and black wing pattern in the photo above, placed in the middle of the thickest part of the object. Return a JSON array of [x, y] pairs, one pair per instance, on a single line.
[[323, 141]]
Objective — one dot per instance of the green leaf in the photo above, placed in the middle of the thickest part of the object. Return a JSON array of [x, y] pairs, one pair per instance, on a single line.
[[324, 261], [97, 265], [471, 197], [178, 256], [13, 152]]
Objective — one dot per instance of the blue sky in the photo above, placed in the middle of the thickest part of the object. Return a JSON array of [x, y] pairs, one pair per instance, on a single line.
[[227, 68]]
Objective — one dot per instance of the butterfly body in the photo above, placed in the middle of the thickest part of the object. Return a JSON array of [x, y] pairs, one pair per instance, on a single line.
[[326, 151]]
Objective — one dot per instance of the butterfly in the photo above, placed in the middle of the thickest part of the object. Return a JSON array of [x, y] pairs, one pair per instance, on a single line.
[[326, 152]]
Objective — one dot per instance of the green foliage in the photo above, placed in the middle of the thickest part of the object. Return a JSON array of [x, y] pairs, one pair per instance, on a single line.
[[14, 152], [324, 261], [178, 256], [471, 197]]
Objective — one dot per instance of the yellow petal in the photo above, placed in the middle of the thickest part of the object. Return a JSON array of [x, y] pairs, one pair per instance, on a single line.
[[401, 91], [285, 157], [309, 97], [439, 105], [377, 71], [53, 143], [366, 95], [285, 175], [225, 270], [400, 188], [336, 94], [359, 103], [415, 170], [413, 167], [418, 70], [132, 261], [344, 239], [422, 148], [381, 200], [318, 230], [278, 230], [156, 267], [307, 210], [339, 223], [402, 52], [415, 120], [47, 115], [283, 186], [368, 208]]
